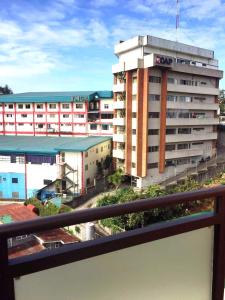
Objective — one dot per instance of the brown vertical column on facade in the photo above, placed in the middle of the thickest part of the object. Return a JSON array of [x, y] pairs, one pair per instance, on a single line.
[[162, 138], [142, 122], [128, 143]]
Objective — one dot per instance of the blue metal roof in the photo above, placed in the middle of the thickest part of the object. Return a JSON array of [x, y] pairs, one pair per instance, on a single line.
[[47, 144], [40, 97]]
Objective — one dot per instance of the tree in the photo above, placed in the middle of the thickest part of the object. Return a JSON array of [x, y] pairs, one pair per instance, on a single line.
[[116, 178], [107, 162], [222, 101], [5, 90]]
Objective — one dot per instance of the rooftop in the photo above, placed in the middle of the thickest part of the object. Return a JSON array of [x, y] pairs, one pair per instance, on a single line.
[[40, 97], [156, 42], [47, 144]]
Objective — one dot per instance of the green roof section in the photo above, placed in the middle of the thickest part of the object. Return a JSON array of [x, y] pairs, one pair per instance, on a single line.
[[47, 144], [42, 97]]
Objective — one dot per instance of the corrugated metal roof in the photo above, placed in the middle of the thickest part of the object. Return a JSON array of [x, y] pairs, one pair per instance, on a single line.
[[47, 144], [40, 97]]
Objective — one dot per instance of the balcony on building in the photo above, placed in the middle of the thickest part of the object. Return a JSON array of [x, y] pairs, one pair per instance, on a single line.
[[179, 258]]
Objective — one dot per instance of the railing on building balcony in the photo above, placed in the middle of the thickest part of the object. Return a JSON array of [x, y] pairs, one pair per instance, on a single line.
[[166, 260]]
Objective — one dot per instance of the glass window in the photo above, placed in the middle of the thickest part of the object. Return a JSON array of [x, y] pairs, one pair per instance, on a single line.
[[52, 105], [184, 130], [171, 131], [66, 116], [106, 116], [10, 106], [133, 131], [27, 106], [39, 106], [105, 127], [153, 149], [153, 114], [153, 131], [152, 166], [154, 79], [93, 126], [79, 105], [170, 80], [14, 180], [133, 148], [86, 167], [65, 105], [39, 116], [153, 97], [24, 116], [106, 106], [20, 106], [170, 147], [133, 165], [172, 98], [171, 114], [134, 114], [183, 146]]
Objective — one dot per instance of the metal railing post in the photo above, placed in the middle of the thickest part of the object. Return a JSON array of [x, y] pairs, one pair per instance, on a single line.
[[219, 251], [6, 281]]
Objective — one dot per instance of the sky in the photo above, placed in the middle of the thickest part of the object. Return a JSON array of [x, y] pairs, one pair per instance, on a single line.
[[67, 45]]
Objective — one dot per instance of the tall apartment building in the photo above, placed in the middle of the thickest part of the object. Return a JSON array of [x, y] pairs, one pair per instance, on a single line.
[[165, 107], [57, 114]]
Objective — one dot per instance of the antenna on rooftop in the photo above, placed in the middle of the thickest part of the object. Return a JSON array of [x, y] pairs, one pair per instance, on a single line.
[[177, 19]]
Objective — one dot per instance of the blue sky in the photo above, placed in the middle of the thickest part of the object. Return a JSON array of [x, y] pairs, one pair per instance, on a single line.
[[62, 45]]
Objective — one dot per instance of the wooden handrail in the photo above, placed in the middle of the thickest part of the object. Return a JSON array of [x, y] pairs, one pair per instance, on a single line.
[[87, 215]]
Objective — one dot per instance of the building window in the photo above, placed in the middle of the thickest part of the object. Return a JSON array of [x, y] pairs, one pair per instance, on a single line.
[[183, 146], [20, 124], [105, 127], [152, 166], [79, 105], [134, 114], [9, 115], [185, 99], [133, 165], [96, 150], [101, 149], [39, 116], [65, 105], [86, 154], [153, 149], [11, 106], [134, 97], [133, 131], [52, 116], [66, 116], [153, 114], [14, 180], [23, 116], [197, 143], [15, 195], [153, 131], [107, 116], [20, 106], [170, 80], [52, 106], [93, 126], [86, 167], [27, 106], [171, 114], [39, 106], [133, 148], [47, 181], [154, 79], [170, 147], [79, 116], [172, 98], [40, 125], [88, 181], [198, 129], [184, 130], [106, 106], [171, 131], [153, 97]]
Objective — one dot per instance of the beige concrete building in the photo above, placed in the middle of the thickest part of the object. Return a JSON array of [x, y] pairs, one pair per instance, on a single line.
[[165, 107]]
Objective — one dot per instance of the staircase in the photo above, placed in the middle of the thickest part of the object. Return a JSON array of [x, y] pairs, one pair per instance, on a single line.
[[66, 170], [194, 171]]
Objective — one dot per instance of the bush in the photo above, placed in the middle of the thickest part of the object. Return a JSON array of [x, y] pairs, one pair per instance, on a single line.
[[64, 209]]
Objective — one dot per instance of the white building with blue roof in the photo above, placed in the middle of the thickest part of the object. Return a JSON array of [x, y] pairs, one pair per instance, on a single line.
[[47, 165], [57, 113]]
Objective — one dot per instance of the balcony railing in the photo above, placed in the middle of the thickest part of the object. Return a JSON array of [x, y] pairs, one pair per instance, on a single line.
[[98, 265]]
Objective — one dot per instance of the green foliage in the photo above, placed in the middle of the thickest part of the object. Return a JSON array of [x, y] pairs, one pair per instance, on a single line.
[[116, 178], [137, 220], [99, 168], [48, 209], [64, 209], [5, 90], [77, 229], [34, 201]]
